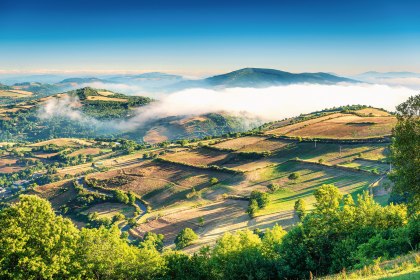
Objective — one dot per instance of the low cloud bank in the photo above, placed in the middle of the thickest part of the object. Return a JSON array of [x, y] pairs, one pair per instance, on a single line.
[[267, 104], [273, 103]]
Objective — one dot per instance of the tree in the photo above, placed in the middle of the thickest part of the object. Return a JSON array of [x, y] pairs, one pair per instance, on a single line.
[[300, 208], [185, 237], [273, 187], [131, 198], [239, 255], [252, 208], [35, 243], [214, 181], [405, 150], [118, 217], [152, 240], [262, 198], [120, 196], [293, 176]]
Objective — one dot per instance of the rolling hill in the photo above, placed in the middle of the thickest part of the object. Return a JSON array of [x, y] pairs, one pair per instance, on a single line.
[[260, 77]]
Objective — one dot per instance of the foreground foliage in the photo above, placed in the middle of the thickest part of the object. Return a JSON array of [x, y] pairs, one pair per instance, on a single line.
[[339, 234]]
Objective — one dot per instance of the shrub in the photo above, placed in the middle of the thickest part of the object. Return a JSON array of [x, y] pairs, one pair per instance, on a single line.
[[214, 181], [273, 187], [118, 217], [252, 208], [185, 237], [300, 208], [293, 176], [261, 198]]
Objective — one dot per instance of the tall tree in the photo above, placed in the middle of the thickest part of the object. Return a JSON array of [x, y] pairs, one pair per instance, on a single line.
[[35, 243], [405, 150]]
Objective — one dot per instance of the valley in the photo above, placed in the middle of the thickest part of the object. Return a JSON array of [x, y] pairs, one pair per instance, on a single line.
[[204, 184]]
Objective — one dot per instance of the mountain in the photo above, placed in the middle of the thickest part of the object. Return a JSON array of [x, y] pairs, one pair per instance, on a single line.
[[260, 77], [82, 80], [257, 77]]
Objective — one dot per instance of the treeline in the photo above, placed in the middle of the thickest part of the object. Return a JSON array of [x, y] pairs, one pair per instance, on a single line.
[[338, 234]]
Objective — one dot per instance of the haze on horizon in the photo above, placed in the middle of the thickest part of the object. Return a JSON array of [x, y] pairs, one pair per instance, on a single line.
[[200, 38]]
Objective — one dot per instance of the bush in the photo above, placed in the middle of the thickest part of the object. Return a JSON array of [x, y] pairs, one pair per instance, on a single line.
[[300, 208], [118, 217], [185, 237], [273, 187], [120, 196], [214, 181], [261, 198], [293, 176], [252, 208]]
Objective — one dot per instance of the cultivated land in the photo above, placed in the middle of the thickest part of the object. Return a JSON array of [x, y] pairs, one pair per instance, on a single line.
[[362, 124], [179, 186]]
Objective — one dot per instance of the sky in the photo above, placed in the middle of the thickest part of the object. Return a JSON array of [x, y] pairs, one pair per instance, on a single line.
[[200, 38]]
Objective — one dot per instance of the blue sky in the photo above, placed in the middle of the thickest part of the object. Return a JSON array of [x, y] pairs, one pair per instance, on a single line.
[[205, 37]]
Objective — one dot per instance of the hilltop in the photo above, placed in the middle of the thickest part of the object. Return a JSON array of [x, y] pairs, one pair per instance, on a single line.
[[259, 77]]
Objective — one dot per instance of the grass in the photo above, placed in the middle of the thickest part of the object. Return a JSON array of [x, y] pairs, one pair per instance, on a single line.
[[311, 177], [110, 209], [402, 268], [367, 165]]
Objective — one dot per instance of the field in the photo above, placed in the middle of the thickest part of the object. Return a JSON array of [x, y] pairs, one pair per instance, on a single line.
[[110, 209], [8, 165], [64, 142], [160, 184], [252, 144], [15, 93], [198, 157], [86, 151], [311, 177], [104, 98], [206, 184], [365, 123]]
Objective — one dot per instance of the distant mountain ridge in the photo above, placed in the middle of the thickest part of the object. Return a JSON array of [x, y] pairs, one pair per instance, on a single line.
[[164, 82], [263, 77]]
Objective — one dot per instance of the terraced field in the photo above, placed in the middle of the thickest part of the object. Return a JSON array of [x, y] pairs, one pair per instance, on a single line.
[[362, 124], [206, 185]]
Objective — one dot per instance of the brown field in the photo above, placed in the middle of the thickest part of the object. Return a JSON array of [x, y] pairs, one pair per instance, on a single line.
[[239, 143], [76, 170], [284, 130], [104, 98], [377, 123], [15, 93], [348, 127], [5, 161], [58, 193], [161, 184], [22, 92], [269, 145], [86, 151], [44, 155], [71, 142], [156, 135], [373, 112], [198, 157]]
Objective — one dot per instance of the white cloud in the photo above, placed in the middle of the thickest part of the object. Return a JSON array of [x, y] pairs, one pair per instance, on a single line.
[[268, 104]]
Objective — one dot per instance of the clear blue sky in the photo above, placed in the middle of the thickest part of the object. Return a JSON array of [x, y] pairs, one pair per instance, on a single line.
[[201, 37]]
